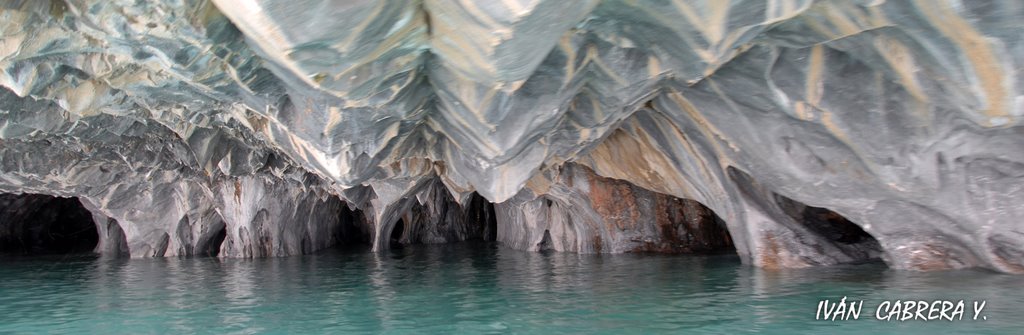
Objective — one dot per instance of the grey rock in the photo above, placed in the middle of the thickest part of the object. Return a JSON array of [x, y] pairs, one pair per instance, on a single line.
[[177, 123]]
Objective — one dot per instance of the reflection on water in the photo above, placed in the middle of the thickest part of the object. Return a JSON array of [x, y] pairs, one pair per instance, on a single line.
[[473, 288]]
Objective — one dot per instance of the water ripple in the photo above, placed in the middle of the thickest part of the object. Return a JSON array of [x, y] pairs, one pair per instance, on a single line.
[[469, 288]]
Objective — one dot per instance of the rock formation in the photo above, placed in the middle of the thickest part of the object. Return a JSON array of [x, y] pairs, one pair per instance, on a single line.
[[817, 132]]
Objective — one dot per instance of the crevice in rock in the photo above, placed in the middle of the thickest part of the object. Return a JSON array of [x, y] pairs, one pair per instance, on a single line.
[[212, 246], [112, 240], [397, 235], [481, 212], [830, 226], [545, 243], [42, 224], [162, 242], [306, 245]]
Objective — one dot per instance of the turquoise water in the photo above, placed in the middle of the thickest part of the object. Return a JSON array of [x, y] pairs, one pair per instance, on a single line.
[[474, 288]]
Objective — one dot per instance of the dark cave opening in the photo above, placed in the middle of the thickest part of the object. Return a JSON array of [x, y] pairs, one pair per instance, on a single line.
[[688, 227], [212, 248], [825, 230], [708, 232], [397, 232], [481, 212], [443, 220], [35, 224], [352, 228], [545, 242], [833, 227]]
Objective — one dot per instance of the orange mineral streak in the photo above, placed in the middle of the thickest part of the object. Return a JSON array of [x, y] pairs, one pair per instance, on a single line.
[[238, 191], [614, 201], [774, 255]]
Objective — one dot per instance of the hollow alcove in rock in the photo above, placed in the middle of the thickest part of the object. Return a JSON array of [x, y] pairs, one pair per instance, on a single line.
[[42, 224], [830, 226], [437, 218], [631, 218], [397, 234], [584, 212], [353, 228], [112, 240], [688, 227], [211, 247], [545, 242], [481, 214]]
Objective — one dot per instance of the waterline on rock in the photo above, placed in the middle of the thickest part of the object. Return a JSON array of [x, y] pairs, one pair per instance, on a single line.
[[474, 287]]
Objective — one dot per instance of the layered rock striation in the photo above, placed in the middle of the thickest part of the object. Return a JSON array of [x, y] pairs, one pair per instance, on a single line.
[[797, 132]]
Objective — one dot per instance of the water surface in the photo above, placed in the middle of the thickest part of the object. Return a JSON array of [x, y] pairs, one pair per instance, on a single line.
[[474, 288]]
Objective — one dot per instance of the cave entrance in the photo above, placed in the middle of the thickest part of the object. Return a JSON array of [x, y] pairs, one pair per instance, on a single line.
[[844, 234], [481, 212], [36, 224], [545, 243], [397, 233], [212, 248], [707, 233], [688, 227], [352, 227]]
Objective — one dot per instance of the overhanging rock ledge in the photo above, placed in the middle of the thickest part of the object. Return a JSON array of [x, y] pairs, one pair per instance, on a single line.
[[592, 125]]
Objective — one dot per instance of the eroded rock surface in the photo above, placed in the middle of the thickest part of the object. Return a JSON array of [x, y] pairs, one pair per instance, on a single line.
[[252, 127], [579, 211]]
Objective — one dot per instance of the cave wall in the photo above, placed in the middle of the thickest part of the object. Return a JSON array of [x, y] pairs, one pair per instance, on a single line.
[[179, 120], [579, 211]]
